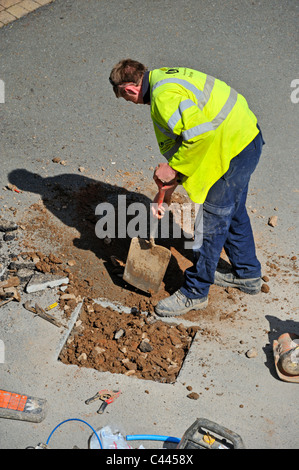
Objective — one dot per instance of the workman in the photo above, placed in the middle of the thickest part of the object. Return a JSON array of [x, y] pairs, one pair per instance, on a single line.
[[212, 143]]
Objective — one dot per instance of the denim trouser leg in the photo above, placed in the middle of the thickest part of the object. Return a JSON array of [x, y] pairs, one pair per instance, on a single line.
[[239, 245], [225, 223]]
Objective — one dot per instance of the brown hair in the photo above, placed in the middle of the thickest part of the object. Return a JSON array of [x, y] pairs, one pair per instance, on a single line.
[[127, 70]]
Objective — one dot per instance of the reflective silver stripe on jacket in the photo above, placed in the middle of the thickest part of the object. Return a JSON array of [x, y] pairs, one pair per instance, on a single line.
[[179, 81], [202, 99]]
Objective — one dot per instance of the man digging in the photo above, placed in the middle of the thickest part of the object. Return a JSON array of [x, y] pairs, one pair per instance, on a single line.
[[212, 144]]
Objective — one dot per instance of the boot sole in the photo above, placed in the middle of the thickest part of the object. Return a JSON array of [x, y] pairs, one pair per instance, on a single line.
[[247, 290], [162, 313]]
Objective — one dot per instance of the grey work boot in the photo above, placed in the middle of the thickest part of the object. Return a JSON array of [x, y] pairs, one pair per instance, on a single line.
[[229, 279], [178, 303]]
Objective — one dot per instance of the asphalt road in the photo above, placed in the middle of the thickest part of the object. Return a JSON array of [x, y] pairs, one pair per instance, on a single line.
[[55, 65]]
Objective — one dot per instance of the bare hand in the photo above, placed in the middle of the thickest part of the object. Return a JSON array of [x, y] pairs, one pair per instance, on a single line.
[[165, 173]]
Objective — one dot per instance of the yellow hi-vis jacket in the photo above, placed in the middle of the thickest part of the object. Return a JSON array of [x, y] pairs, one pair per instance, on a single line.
[[201, 123]]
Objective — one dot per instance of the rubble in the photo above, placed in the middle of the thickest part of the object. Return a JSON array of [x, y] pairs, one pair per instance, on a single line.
[[2, 271], [10, 282], [38, 310], [145, 346], [20, 263], [41, 281], [273, 221], [265, 288], [193, 396], [8, 237], [7, 225], [251, 353]]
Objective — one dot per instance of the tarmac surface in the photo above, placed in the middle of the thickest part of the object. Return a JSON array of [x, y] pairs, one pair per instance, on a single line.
[[55, 64]]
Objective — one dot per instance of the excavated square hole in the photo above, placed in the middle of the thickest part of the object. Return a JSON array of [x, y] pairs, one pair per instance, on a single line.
[[134, 344]]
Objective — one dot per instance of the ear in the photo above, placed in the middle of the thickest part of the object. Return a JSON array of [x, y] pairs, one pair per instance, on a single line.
[[132, 89]]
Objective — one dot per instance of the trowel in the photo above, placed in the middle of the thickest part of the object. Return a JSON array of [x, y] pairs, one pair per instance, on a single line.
[[147, 262]]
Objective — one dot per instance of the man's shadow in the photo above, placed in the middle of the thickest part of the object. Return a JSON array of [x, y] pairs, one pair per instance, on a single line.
[[73, 200]]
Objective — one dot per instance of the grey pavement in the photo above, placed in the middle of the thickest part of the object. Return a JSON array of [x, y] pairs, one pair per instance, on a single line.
[[55, 65]]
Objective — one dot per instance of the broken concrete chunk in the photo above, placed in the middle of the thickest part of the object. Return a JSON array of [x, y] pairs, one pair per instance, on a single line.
[[11, 282], [25, 274], [82, 357], [273, 221], [119, 334], [252, 353], [10, 293], [8, 237], [20, 263], [68, 297], [7, 225], [2, 271], [41, 281]]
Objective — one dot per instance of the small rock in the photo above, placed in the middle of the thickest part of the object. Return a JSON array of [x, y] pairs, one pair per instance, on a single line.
[[119, 334], [251, 353], [54, 259], [81, 169], [8, 237], [265, 288], [265, 278], [7, 225], [20, 263], [2, 271], [130, 372], [294, 258], [82, 357], [145, 346], [71, 262], [272, 221], [67, 297], [193, 396], [56, 160]]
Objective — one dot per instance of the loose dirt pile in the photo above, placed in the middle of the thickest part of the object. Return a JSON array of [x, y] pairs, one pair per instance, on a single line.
[[134, 345]]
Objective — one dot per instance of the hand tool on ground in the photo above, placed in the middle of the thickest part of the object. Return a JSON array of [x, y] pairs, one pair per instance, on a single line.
[[147, 262], [38, 310], [206, 434], [107, 397], [23, 407], [286, 357]]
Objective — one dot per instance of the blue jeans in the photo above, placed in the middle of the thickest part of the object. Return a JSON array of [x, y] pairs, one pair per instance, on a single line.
[[226, 225]]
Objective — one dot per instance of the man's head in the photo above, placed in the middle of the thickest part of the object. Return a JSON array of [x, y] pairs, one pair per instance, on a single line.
[[126, 79]]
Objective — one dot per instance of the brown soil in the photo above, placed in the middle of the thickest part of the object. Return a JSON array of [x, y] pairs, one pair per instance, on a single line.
[[128, 344]]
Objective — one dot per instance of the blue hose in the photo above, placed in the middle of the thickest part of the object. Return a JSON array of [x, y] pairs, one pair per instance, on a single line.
[[152, 437], [75, 419]]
